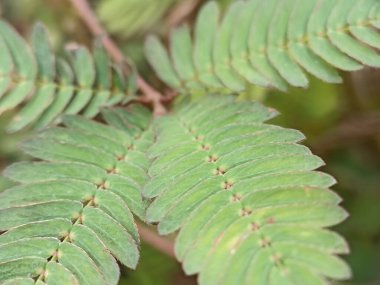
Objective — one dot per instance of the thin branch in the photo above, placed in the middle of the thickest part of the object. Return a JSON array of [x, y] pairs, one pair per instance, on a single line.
[[181, 12], [355, 128], [154, 240], [87, 15]]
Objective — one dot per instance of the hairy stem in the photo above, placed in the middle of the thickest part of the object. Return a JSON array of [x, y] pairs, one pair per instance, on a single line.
[[87, 15]]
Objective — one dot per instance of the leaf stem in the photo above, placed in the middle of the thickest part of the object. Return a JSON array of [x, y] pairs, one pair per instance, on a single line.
[[87, 15]]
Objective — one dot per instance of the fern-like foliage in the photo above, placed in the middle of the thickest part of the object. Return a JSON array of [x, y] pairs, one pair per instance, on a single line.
[[271, 43], [131, 17], [71, 215], [50, 87], [250, 207]]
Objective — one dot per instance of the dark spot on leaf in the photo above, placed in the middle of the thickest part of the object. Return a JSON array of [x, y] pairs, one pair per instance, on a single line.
[[219, 171], [255, 226], [228, 185], [212, 158], [206, 147], [265, 242], [236, 198], [245, 212]]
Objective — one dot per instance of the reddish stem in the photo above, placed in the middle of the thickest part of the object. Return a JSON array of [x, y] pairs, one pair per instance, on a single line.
[[87, 15]]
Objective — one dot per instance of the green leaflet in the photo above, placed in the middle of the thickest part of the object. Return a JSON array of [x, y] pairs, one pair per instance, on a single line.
[[18, 268], [19, 281], [48, 87], [181, 46], [58, 274], [70, 218], [340, 14], [321, 45], [41, 247], [79, 263], [297, 27], [84, 68], [206, 25], [42, 50], [22, 55], [103, 79], [257, 42], [239, 45], [86, 239], [156, 52], [364, 32], [245, 197], [276, 51], [271, 43]]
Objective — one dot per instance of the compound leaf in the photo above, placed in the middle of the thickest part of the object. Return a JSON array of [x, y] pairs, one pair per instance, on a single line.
[[246, 198], [70, 218], [271, 43], [49, 87]]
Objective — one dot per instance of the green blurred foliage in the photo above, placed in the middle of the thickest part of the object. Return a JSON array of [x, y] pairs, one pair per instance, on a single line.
[[153, 269], [57, 15], [133, 17], [312, 110], [317, 111]]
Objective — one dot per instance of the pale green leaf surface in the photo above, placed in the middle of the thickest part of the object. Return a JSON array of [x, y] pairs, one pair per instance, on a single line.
[[17, 268], [18, 216], [221, 50], [36, 106], [22, 55], [245, 198], [277, 52], [57, 274], [156, 52], [30, 76], [81, 198], [240, 47], [86, 239], [257, 42], [346, 42], [19, 281], [359, 28], [39, 247], [181, 46], [42, 50], [48, 228], [80, 264], [297, 27], [206, 25], [113, 235], [62, 97], [272, 43], [321, 45], [375, 16]]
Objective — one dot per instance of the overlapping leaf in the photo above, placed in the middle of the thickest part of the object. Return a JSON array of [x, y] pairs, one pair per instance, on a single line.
[[49, 87], [71, 216], [272, 43], [249, 206]]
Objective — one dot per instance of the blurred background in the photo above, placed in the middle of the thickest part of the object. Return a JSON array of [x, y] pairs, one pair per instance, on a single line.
[[341, 122]]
